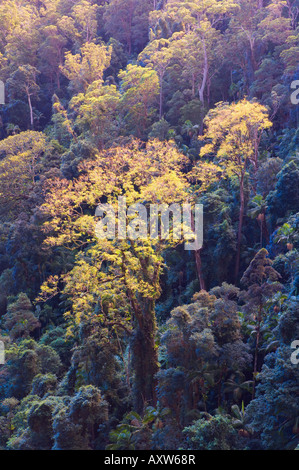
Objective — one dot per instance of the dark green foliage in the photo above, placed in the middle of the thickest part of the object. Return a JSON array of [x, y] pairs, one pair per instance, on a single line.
[[33, 421], [219, 235], [217, 370], [160, 130], [135, 431], [211, 433], [19, 320], [79, 150], [289, 322], [77, 425], [56, 339], [285, 197], [203, 346], [44, 384], [96, 362], [273, 414], [24, 361]]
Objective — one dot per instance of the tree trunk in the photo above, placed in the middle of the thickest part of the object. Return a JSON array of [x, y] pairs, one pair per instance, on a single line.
[[199, 270], [252, 43], [257, 139], [205, 72], [241, 215], [31, 110], [145, 360], [265, 230], [258, 329]]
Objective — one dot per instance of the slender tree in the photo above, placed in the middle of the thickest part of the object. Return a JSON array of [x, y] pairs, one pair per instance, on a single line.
[[234, 132]]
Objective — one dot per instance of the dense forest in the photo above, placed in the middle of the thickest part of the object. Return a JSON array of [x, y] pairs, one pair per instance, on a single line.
[[138, 343]]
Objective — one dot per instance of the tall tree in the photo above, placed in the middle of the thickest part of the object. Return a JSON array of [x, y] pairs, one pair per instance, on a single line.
[[51, 54], [127, 21], [18, 169], [158, 55], [234, 132], [140, 92], [24, 82], [98, 113], [201, 17], [85, 15], [118, 279]]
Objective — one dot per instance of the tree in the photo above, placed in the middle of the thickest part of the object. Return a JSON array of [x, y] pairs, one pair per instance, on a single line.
[[51, 53], [23, 81], [201, 347], [275, 27], [116, 280], [203, 174], [85, 15], [290, 53], [127, 21], [9, 20], [8, 405], [140, 91], [234, 132], [283, 199], [202, 18], [19, 319], [261, 282], [258, 211], [211, 433], [199, 65], [25, 360], [20, 165], [84, 68], [158, 55], [23, 38], [76, 425], [273, 414], [97, 113], [244, 25]]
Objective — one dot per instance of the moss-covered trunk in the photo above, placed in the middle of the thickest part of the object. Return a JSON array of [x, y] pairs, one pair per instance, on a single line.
[[145, 358]]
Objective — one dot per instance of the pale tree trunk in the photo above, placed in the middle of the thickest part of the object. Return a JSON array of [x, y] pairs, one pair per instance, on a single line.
[[30, 109], [205, 72], [252, 43]]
